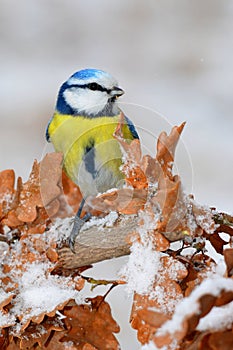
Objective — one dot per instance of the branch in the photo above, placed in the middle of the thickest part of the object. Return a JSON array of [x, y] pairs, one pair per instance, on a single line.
[[97, 244]]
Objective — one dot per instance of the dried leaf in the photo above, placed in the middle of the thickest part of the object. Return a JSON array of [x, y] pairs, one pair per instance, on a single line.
[[41, 188], [217, 242], [169, 193], [151, 168], [28, 210], [198, 270], [204, 218], [30, 196], [150, 312], [7, 196], [145, 330], [72, 192], [161, 243], [5, 300], [228, 256], [4, 341], [133, 149], [40, 335], [221, 340], [125, 201], [91, 324], [7, 182], [52, 254], [50, 177], [206, 302], [166, 146], [12, 220]]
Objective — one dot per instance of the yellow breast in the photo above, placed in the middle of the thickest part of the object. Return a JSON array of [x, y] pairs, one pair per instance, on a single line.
[[74, 136]]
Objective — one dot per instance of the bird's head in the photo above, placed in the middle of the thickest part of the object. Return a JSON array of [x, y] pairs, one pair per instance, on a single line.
[[89, 92]]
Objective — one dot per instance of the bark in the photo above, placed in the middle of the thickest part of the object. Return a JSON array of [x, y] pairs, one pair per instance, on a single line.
[[97, 244]]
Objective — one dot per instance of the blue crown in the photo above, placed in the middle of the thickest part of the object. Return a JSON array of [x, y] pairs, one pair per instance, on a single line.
[[88, 73]]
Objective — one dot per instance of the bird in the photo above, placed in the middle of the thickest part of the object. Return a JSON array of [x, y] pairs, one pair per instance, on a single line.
[[85, 118]]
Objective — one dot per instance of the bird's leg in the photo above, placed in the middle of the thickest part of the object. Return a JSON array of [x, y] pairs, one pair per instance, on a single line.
[[78, 223]]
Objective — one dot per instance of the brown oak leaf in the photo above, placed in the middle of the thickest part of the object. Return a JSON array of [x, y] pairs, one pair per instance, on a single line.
[[188, 325], [228, 256], [91, 324], [144, 317], [166, 147], [40, 335]]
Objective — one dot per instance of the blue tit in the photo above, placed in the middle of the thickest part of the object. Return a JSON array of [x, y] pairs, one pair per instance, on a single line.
[[82, 128]]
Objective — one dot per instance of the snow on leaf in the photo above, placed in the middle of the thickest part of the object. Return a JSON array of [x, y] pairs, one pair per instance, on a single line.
[[5, 298], [191, 309], [204, 218], [40, 334], [40, 294], [7, 181]]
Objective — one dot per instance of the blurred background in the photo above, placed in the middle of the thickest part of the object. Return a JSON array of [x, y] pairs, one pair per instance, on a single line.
[[174, 60]]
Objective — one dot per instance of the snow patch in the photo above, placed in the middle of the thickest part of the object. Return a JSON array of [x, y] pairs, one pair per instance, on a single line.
[[40, 292], [151, 346], [144, 262], [59, 231], [219, 318], [6, 319], [141, 269], [100, 223]]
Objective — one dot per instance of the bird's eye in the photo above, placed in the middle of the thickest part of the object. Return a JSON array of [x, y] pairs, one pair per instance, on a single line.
[[93, 86]]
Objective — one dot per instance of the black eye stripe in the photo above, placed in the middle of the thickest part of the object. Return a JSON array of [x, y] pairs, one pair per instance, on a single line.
[[91, 86]]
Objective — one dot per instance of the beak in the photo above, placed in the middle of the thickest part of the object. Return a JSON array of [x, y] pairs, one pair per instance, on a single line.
[[116, 92]]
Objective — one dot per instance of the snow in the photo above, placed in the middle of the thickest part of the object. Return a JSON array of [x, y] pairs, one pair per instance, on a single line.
[[151, 346], [36, 290], [100, 223], [40, 292], [61, 228], [6, 319], [144, 262], [142, 267], [205, 220], [59, 231], [145, 266], [4, 295], [189, 305], [219, 318], [4, 248]]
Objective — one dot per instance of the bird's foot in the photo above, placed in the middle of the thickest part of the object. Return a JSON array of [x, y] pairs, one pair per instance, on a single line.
[[78, 223]]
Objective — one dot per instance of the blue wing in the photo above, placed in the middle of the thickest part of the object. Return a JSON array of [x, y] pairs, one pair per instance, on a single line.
[[131, 128]]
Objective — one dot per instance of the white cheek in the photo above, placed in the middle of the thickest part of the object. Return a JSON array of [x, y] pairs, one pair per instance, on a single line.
[[88, 101]]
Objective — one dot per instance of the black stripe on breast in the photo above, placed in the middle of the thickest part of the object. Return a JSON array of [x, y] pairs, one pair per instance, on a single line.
[[89, 158]]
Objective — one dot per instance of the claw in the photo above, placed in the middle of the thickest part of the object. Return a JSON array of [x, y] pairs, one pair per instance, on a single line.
[[78, 223]]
